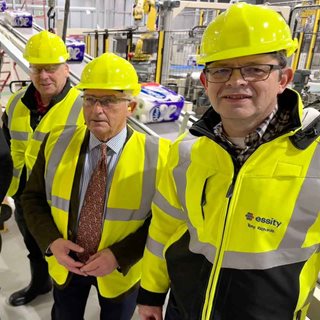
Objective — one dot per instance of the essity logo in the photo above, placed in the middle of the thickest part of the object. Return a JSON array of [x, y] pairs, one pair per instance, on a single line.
[[249, 216], [269, 221]]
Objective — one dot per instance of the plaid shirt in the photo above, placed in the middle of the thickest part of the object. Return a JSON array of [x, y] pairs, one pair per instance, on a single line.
[[268, 129]]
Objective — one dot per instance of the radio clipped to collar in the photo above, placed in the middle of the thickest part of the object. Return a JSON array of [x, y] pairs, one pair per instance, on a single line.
[[310, 130]]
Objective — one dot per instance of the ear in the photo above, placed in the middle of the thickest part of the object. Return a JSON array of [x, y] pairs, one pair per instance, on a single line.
[[204, 81], [131, 107], [286, 77], [66, 69]]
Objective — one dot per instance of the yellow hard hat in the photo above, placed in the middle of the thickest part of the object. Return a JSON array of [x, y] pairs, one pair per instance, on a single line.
[[110, 71], [243, 30], [45, 48]]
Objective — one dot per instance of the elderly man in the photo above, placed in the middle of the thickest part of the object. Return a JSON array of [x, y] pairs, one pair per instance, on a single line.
[[88, 198], [30, 113], [235, 229]]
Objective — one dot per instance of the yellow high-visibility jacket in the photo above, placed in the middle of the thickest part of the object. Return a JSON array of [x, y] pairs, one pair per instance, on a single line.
[[236, 243], [128, 204], [25, 143]]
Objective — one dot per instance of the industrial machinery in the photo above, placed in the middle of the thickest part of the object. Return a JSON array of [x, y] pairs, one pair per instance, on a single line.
[[144, 43], [301, 83], [12, 43]]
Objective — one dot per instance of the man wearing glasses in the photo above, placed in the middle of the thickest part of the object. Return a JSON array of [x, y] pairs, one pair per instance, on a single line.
[[88, 198], [235, 228], [30, 113]]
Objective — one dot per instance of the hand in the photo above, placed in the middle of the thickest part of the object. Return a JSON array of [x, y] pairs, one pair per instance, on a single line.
[[61, 248], [100, 264], [150, 312]]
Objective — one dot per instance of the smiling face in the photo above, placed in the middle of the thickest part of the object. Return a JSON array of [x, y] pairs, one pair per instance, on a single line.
[[243, 105], [106, 121], [49, 80]]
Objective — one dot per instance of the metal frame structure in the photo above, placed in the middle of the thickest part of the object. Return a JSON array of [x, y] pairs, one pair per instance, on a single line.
[[300, 15], [13, 40]]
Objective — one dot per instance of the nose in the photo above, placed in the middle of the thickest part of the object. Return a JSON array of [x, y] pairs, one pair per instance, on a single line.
[[236, 78], [43, 73], [97, 107]]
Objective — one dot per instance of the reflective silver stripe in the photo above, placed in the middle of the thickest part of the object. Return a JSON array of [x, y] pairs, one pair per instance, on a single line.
[[149, 172], [165, 206], [179, 172], [19, 135], [155, 247], [16, 172], [266, 260], [74, 111], [39, 136], [60, 203], [195, 246], [309, 210], [148, 187], [56, 156], [12, 106], [72, 119], [115, 214]]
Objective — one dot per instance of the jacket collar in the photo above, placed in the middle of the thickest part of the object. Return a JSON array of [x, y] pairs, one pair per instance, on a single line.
[[30, 102]]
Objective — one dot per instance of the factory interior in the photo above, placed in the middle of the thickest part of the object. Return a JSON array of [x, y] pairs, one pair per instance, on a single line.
[[161, 39]]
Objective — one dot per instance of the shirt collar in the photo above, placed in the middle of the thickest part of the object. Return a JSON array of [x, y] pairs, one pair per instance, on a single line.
[[252, 136], [264, 124], [115, 143]]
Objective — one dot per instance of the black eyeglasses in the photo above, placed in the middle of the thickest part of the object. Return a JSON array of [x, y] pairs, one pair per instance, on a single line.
[[106, 101], [251, 73]]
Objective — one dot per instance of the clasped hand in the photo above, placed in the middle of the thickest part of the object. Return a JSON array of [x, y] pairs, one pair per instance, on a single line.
[[100, 264]]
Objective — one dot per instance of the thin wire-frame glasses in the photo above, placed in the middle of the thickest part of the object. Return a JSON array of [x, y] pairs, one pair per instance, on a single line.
[[50, 68], [251, 73], [105, 101]]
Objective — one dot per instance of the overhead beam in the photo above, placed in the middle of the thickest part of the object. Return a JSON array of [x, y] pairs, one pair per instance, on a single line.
[[284, 10]]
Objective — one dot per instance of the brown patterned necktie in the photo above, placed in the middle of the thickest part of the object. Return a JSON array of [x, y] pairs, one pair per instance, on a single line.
[[91, 215]]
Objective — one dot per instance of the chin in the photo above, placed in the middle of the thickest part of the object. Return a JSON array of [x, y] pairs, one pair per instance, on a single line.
[[48, 92], [100, 134]]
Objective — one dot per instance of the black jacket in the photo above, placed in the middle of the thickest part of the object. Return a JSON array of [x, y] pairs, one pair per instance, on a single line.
[[6, 166]]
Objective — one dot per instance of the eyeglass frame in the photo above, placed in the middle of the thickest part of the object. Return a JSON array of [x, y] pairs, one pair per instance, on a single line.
[[50, 68], [272, 68], [100, 99]]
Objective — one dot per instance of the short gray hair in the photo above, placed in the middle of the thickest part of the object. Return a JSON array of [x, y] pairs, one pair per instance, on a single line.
[[281, 57]]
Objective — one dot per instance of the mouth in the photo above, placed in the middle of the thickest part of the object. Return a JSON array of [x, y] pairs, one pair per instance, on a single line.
[[98, 122], [237, 96]]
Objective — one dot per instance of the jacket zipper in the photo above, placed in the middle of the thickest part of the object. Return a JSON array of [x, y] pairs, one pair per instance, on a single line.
[[219, 252]]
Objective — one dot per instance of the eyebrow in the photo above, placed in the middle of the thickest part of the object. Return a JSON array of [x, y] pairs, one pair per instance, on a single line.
[[249, 63], [105, 96]]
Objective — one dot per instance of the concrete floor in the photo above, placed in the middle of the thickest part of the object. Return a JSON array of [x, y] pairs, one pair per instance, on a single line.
[[15, 275]]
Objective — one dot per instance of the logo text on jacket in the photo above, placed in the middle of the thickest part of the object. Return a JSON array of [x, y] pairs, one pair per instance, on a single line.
[[263, 223]]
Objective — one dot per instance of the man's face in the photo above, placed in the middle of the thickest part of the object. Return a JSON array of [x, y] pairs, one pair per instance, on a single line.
[[106, 112], [242, 102], [49, 80]]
